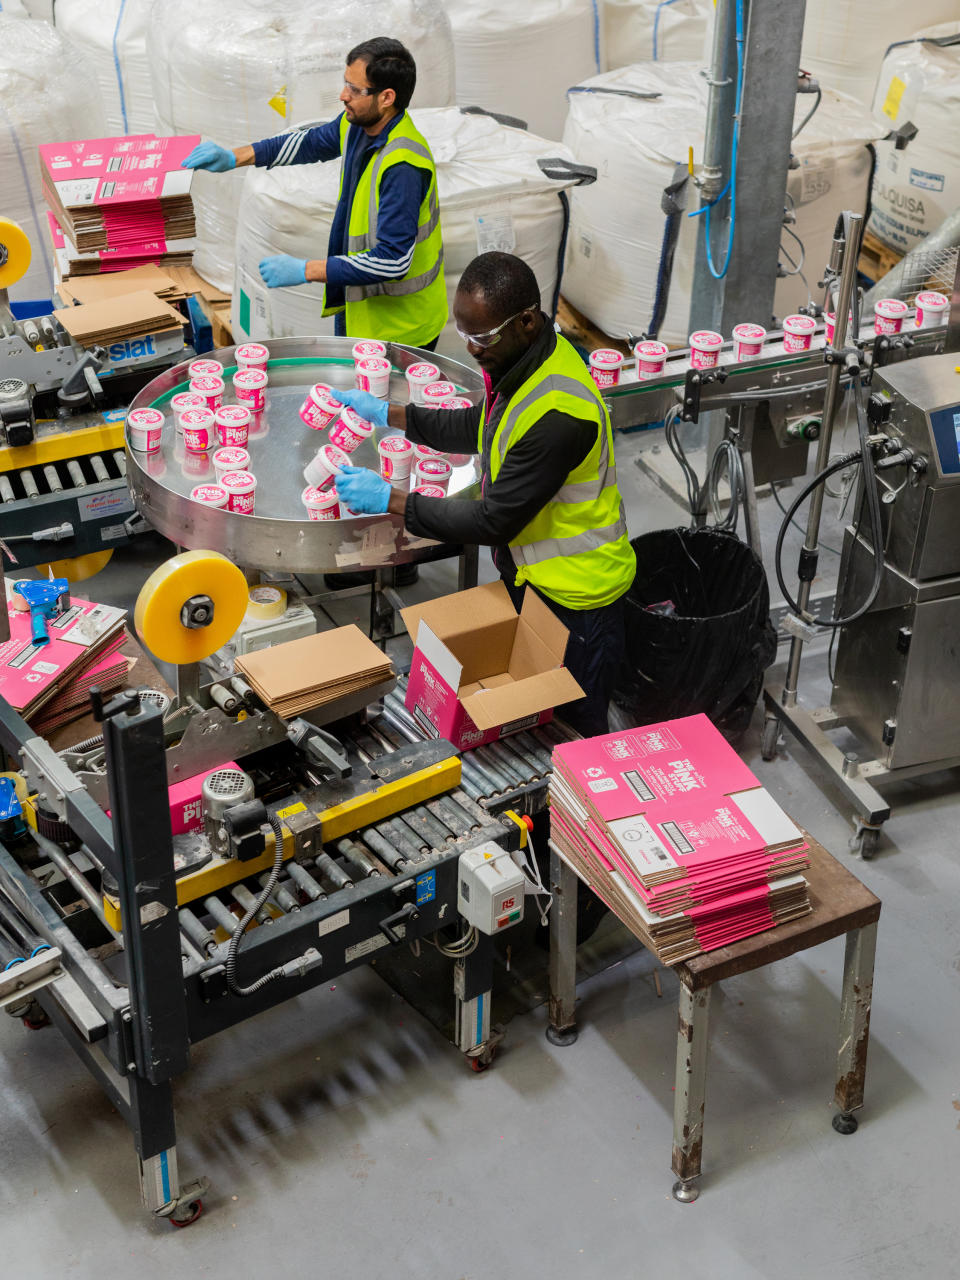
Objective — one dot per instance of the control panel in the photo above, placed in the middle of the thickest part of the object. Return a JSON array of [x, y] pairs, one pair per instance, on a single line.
[[489, 888]]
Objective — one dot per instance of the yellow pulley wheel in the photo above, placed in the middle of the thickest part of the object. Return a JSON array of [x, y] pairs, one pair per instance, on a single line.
[[77, 568], [15, 252], [190, 606]]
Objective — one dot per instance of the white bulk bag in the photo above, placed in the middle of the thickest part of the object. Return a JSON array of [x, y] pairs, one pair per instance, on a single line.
[[113, 36], [915, 189], [649, 31], [237, 71], [844, 41], [520, 59], [492, 195], [47, 94], [617, 226]]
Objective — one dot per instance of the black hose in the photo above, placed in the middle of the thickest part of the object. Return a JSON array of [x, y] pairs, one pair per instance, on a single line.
[[234, 947], [865, 459]]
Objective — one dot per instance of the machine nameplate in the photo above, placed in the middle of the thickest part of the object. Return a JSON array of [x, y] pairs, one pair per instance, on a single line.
[[110, 503], [332, 923], [364, 948]]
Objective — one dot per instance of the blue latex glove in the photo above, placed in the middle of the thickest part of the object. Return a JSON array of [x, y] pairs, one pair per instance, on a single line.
[[363, 490], [372, 408], [282, 270], [207, 155]]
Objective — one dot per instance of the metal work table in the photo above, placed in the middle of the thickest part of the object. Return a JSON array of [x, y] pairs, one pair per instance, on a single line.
[[841, 905]]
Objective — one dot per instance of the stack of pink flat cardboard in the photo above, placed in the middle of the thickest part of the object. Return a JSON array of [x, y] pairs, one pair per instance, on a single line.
[[71, 262], [125, 194], [48, 684], [673, 831]]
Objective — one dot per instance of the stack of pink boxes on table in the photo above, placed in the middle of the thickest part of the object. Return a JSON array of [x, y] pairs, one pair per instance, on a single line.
[[677, 836], [119, 202]]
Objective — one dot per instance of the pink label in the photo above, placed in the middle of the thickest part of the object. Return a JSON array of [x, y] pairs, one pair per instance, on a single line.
[[232, 433], [250, 378], [241, 487], [252, 397], [205, 369], [319, 409], [706, 340], [211, 389], [434, 467], [606, 357], [422, 372], [345, 437], [251, 355], [321, 504], [704, 359], [197, 439], [241, 503], [797, 341], [438, 391], [231, 459], [396, 457], [145, 418], [430, 491], [145, 439], [456, 402], [395, 444], [605, 377], [321, 472], [212, 495], [184, 400], [367, 348], [651, 356]]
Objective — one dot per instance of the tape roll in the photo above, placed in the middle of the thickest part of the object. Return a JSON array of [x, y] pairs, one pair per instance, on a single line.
[[77, 568], [266, 602], [16, 260], [157, 615]]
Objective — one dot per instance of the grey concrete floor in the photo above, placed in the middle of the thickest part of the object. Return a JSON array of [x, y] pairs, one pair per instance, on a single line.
[[345, 1137]]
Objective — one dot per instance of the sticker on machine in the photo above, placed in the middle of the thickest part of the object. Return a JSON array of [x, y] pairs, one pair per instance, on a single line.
[[97, 505], [332, 923], [641, 845], [361, 949]]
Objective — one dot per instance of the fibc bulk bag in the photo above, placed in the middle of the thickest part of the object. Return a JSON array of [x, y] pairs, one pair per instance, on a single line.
[[47, 94], [915, 189], [844, 41], [616, 267], [520, 59], [651, 31], [237, 71], [112, 35], [492, 192]]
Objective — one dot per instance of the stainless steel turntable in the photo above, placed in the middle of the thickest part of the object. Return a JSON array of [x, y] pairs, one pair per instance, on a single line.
[[279, 535]]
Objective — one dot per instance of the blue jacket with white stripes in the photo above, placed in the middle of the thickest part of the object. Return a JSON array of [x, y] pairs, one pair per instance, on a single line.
[[402, 190]]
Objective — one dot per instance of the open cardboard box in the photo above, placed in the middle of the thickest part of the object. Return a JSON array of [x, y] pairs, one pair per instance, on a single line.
[[480, 671]]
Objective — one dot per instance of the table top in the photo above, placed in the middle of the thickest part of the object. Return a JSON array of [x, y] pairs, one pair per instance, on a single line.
[[840, 903]]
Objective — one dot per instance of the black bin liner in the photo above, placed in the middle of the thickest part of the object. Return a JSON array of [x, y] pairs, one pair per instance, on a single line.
[[710, 655]]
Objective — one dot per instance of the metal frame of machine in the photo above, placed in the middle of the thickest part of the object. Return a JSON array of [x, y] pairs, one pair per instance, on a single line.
[[397, 881]]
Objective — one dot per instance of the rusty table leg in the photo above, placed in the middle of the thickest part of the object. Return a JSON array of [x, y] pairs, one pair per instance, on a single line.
[[562, 1028], [691, 1083], [854, 1025]]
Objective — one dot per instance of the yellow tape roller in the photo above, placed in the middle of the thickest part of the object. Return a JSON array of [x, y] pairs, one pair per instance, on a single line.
[[266, 602], [15, 253], [174, 596]]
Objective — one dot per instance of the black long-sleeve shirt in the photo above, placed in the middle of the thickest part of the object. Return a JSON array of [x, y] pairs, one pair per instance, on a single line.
[[532, 471]]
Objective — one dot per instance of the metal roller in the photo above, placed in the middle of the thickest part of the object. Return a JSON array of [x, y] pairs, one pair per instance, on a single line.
[[330, 871], [358, 857], [402, 730], [99, 468], [448, 814], [384, 850], [198, 933], [120, 459], [305, 881], [514, 764], [535, 750], [52, 477], [221, 913], [280, 894], [76, 474], [29, 483], [242, 894], [399, 836], [435, 832], [6, 489]]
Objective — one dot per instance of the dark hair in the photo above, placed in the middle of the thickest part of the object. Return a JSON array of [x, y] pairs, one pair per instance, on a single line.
[[390, 65], [505, 281]]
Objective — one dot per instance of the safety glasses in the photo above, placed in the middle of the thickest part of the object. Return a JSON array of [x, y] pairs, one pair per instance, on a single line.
[[492, 337]]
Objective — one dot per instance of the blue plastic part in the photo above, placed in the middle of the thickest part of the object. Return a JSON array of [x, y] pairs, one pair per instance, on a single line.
[[45, 596], [30, 308], [200, 327], [10, 806]]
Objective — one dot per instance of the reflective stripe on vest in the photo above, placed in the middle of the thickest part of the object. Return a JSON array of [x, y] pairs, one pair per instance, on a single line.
[[547, 548], [553, 382]]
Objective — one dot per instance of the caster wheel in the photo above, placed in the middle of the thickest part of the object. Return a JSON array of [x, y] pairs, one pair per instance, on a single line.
[[845, 1123], [192, 1212], [478, 1064], [865, 841], [770, 738], [685, 1192]]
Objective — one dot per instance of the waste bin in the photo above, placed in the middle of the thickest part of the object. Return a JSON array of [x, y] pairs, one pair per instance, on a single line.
[[698, 631]]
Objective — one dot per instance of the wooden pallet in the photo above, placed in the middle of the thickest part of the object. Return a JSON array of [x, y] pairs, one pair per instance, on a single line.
[[575, 326], [876, 258]]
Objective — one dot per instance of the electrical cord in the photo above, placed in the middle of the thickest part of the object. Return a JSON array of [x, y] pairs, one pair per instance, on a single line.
[[726, 459], [237, 935], [676, 448], [460, 947], [796, 524], [865, 459], [809, 116]]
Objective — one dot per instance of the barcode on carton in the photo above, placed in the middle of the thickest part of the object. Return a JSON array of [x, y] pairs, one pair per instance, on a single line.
[[425, 722], [23, 657], [514, 726], [676, 837], [635, 782]]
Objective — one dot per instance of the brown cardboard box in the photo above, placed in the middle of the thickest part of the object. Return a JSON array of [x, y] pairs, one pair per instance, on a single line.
[[480, 671]]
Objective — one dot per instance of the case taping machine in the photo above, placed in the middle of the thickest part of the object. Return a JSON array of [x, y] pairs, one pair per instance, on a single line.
[[320, 844]]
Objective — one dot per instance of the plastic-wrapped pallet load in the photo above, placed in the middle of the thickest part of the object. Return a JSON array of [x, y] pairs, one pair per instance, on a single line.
[[615, 263], [520, 59], [240, 70], [113, 36], [651, 31], [915, 189], [844, 41], [492, 193], [47, 94]]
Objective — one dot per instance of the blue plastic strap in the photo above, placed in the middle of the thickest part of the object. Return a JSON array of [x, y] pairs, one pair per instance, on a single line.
[[656, 23], [116, 66]]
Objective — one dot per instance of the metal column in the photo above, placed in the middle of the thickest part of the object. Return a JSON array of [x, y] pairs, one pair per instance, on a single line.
[[690, 1090], [562, 1027], [855, 1002]]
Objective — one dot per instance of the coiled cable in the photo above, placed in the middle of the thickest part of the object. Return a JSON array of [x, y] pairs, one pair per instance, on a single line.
[[235, 940]]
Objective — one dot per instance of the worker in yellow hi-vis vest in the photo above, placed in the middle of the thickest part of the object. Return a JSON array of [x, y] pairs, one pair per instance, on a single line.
[[550, 506], [383, 273]]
